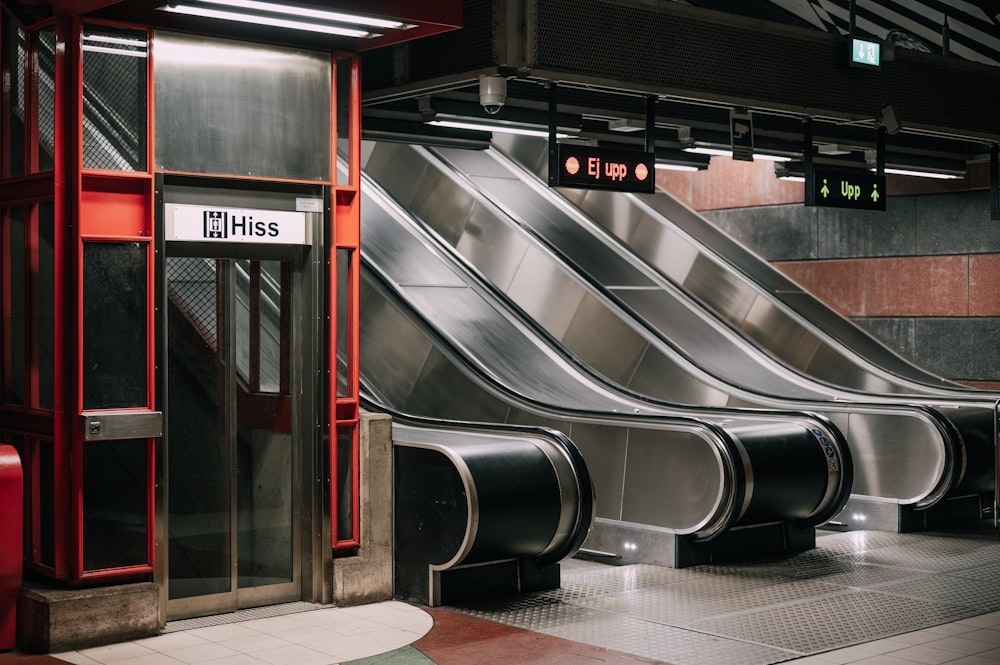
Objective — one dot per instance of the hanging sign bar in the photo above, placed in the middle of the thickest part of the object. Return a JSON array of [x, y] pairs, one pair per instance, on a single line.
[[602, 168], [199, 223]]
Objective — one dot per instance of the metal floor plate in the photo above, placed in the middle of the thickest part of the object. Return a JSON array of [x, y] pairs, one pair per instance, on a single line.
[[854, 587]]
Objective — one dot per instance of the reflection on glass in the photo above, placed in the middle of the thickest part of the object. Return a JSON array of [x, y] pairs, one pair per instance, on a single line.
[[43, 307], [115, 522], [12, 232], [14, 58], [345, 483], [114, 99], [114, 325], [44, 45], [197, 453]]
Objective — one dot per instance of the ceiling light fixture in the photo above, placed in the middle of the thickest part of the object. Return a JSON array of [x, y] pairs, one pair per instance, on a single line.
[[523, 130], [276, 15], [924, 174], [667, 166]]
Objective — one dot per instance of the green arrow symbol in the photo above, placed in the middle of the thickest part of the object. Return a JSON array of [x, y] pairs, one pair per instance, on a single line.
[[875, 196], [825, 191]]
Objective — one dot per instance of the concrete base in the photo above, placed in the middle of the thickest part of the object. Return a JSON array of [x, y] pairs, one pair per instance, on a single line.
[[367, 577], [54, 620], [623, 544], [860, 513]]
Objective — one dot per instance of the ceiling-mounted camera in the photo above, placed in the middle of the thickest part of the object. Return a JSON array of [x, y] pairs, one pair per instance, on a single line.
[[492, 93]]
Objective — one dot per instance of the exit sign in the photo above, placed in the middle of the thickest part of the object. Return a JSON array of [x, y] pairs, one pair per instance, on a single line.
[[857, 189], [865, 53], [603, 168]]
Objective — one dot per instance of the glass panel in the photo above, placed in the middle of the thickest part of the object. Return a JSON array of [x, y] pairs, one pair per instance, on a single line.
[[115, 516], [263, 436], [263, 495], [343, 319], [46, 503], [43, 308], [15, 54], [13, 268], [344, 156], [197, 457], [114, 325], [271, 332], [44, 46], [114, 99], [345, 483]]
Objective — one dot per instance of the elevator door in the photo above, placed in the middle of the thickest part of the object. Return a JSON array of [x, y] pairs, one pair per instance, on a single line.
[[230, 450]]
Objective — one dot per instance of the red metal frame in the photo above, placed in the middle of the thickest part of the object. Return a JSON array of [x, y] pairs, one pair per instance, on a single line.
[[345, 235], [125, 201]]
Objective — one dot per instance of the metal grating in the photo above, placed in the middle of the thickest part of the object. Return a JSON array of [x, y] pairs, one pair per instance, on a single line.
[[193, 290], [114, 99], [242, 615], [44, 45], [851, 588]]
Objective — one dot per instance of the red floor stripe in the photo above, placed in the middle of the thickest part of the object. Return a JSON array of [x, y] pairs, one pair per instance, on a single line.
[[458, 639]]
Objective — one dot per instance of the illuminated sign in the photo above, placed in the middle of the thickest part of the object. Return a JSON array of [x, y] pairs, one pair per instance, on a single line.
[[601, 168], [199, 223], [865, 53], [860, 190]]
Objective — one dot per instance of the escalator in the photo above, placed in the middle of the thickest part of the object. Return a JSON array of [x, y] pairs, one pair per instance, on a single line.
[[620, 317], [672, 482]]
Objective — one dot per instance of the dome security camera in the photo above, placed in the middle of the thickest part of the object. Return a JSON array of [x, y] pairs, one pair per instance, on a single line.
[[492, 93]]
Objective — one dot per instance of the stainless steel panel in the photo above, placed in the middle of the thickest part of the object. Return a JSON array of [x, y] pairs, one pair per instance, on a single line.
[[108, 425], [690, 469], [547, 295], [775, 331], [915, 459], [258, 110], [498, 255]]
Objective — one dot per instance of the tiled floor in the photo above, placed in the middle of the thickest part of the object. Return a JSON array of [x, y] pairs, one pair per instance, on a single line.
[[857, 598], [317, 637]]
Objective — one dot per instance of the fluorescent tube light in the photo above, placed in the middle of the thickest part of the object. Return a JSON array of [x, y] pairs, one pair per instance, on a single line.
[[719, 152], [306, 12], [508, 129], [269, 21], [924, 174], [663, 166]]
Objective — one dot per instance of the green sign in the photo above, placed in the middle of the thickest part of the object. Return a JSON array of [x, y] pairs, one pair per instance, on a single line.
[[860, 190], [865, 54]]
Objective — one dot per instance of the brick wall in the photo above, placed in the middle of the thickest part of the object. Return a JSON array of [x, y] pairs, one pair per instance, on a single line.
[[923, 276]]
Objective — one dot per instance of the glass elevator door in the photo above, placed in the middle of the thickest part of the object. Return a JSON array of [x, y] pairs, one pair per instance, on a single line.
[[231, 450]]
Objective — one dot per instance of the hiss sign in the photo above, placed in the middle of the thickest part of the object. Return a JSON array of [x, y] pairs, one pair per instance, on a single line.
[[199, 223]]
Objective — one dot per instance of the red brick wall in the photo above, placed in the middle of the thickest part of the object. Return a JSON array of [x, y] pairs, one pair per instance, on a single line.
[[919, 286]]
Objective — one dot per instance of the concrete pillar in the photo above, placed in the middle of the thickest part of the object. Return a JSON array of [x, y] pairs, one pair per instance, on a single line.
[[367, 577]]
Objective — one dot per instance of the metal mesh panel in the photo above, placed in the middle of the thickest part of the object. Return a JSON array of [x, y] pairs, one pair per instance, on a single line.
[[14, 58], [114, 99], [44, 45], [193, 291]]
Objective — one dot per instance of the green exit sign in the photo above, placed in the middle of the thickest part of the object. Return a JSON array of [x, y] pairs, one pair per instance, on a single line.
[[865, 53], [843, 188]]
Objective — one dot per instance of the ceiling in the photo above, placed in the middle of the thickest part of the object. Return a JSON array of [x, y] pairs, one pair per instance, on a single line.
[[606, 68], [600, 62]]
